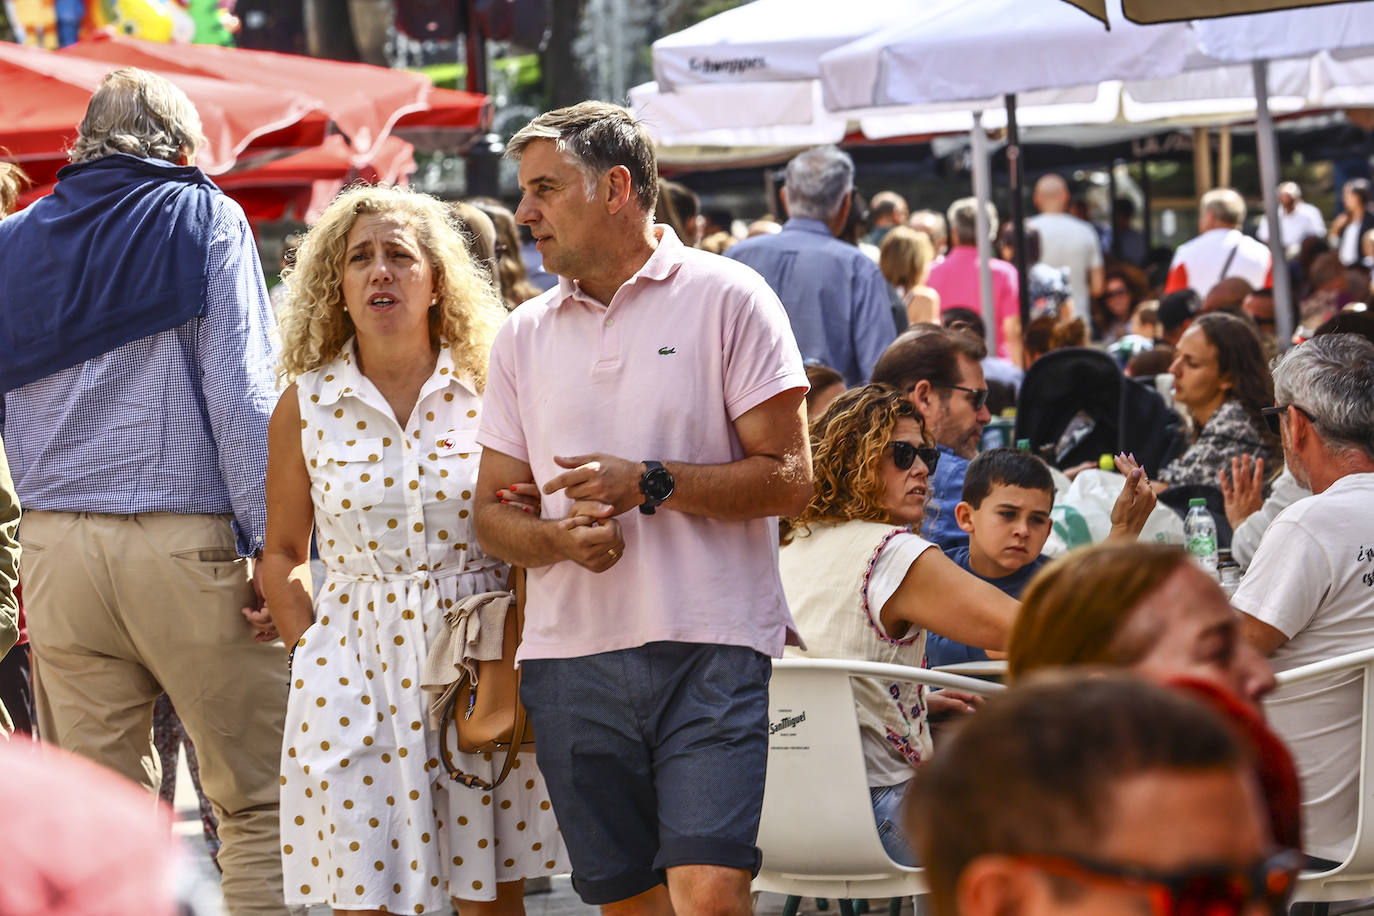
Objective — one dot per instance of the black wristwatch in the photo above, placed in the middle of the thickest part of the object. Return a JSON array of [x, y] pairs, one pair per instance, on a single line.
[[656, 484]]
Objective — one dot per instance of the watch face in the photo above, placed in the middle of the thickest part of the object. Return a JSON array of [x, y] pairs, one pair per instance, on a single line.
[[657, 484]]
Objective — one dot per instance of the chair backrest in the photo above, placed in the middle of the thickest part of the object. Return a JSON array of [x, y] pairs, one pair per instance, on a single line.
[[1360, 860], [1058, 387], [817, 815], [1150, 430]]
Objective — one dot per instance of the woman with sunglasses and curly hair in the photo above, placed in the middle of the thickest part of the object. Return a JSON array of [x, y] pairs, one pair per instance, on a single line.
[[863, 585]]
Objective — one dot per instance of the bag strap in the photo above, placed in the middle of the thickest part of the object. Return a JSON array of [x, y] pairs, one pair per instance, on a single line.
[[1229, 258], [517, 586], [471, 780]]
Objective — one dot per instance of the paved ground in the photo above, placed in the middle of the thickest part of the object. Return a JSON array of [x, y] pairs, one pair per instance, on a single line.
[[559, 900]]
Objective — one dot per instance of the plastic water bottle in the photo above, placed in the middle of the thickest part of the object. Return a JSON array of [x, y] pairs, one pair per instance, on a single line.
[[1201, 533]]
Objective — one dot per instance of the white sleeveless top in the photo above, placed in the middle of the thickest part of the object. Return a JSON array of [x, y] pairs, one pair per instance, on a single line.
[[834, 581]]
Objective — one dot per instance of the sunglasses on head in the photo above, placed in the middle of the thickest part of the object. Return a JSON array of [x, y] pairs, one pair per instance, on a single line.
[[980, 395], [904, 455], [1272, 415], [1209, 890]]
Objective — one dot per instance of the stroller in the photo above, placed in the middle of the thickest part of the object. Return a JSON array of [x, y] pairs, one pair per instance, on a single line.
[[1075, 405]]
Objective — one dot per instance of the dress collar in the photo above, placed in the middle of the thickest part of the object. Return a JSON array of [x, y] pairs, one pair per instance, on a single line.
[[342, 377]]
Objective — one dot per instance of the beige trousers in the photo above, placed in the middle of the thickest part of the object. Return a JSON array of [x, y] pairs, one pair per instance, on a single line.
[[124, 607]]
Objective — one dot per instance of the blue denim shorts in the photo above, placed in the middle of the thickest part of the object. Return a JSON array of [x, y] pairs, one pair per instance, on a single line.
[[654, 757]]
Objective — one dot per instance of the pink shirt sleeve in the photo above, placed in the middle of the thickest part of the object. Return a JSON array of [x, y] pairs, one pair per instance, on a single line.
[[501, 429], [761, 355]]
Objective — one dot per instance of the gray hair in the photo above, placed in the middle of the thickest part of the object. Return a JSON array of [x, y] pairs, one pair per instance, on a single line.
[[139, 113], [963, 220], [932, 222], [1292, 189], [1226, 206], [1331, 377], [598, 136], [818, 181]]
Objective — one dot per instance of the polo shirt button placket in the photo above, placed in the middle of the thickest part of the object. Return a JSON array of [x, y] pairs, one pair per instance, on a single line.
[[608, 353]]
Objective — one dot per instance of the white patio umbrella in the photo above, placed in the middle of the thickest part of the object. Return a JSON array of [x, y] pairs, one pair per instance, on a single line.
[[986, 48], [1259, 38], [770, 95], [1150, 11], [770, 40]]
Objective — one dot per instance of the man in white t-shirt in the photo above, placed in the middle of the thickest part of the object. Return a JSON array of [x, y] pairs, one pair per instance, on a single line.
[[1220, 250], [1297, 219], [1309, 592], [1067, 241]]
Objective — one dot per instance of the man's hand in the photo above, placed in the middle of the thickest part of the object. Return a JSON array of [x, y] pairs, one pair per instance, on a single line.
[[1243, 488], [599, 478], [591, 543]]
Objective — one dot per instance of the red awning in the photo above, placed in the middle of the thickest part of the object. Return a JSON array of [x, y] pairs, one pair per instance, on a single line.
[[46, 94], [303, 184], [365, 102]]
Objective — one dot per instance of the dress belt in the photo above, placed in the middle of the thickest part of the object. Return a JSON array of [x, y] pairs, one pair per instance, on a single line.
[[484, 564]]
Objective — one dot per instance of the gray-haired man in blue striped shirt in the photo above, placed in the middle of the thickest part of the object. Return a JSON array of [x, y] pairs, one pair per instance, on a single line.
[[137, 383]]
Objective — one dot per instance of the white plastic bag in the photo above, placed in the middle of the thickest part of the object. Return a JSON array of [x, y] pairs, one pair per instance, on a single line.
[[1083, 514]]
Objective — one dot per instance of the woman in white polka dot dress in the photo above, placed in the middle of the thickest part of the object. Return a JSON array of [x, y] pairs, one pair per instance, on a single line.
[[386, 337]]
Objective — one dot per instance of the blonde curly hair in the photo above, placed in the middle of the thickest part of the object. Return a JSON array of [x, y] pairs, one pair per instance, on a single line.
[[314, 325], [847, 443]]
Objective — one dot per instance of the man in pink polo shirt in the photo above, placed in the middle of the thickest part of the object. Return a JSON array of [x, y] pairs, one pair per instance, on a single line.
[[956, 277], [656, 396]]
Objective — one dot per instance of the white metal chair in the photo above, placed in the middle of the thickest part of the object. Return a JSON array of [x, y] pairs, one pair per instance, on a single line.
[[992, 668], [817, 834], [1352, 879]]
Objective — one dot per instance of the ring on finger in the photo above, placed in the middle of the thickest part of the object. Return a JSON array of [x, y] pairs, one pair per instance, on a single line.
[[613, 553]]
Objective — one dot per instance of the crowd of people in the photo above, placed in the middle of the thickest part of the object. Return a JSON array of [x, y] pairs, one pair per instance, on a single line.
[[705, 453]]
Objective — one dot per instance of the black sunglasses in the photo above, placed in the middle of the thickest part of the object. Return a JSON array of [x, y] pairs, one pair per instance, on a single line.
[[980, 395], [1272, 415], [1215, 890], [904, 455]]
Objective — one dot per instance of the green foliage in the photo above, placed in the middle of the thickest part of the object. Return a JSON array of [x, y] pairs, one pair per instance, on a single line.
[[522, 70], [705, 9]]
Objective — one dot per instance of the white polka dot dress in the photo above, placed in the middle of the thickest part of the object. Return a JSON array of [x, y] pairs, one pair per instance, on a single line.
[[369, 818]]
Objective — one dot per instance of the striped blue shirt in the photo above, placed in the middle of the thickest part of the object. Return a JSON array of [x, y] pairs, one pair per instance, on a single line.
[[173, 422], [835, 297]]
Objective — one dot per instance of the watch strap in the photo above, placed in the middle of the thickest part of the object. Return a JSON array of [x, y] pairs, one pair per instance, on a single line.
[[650, 502]]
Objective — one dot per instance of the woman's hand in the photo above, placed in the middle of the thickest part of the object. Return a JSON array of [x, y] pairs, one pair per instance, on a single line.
[[1339, 223], [1127, 463], [264, 630], [524, 496], [944, 703], [1137, 500], [1243, 488]]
